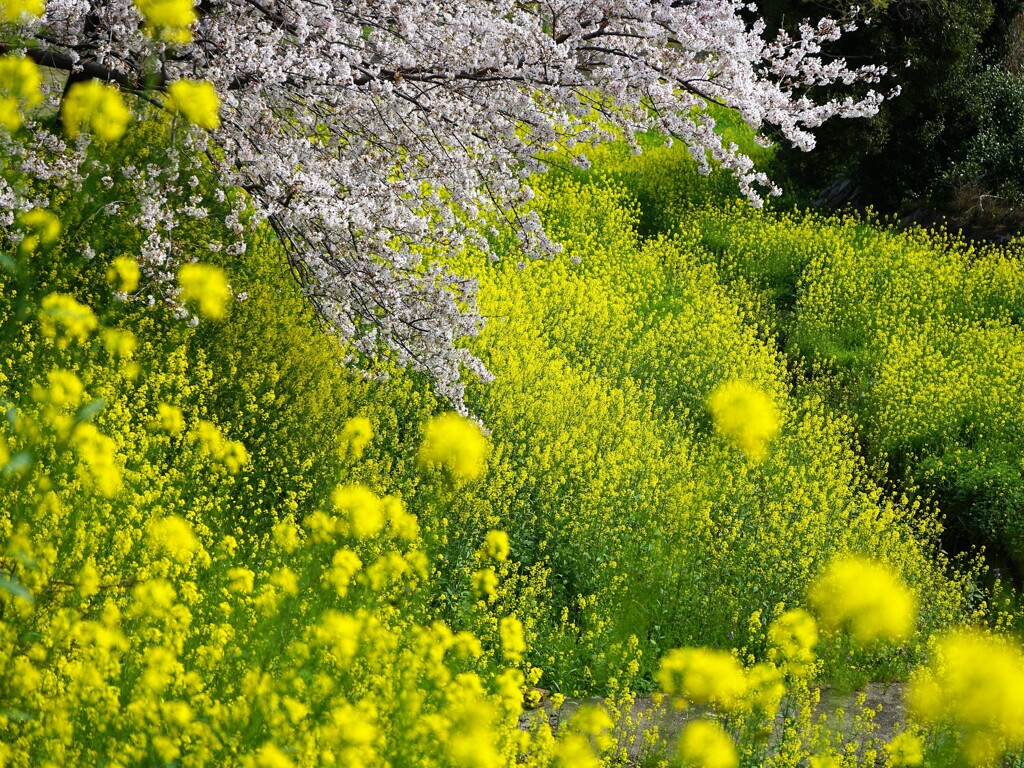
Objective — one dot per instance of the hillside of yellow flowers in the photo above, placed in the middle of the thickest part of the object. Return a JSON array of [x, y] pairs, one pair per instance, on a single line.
[[709, 474]]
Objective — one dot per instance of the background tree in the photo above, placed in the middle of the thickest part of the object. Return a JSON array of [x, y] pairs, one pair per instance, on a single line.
[[377, 136]]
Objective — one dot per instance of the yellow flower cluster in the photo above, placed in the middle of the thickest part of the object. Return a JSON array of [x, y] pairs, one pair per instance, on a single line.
[[41, 227], [197, 102], [793, 637], [65, 319], [124, 274], [455, 444], [206, 287], [19, 86], [974, 687], [97, 108], [704, 676], [356, 435], [704, 744], [14, 10], [745, 415], [169, 19], [866, 598]]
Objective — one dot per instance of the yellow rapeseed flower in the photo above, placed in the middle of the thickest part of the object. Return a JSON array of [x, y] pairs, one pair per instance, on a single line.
[[356, 435], [703, 744], [974, 686], [456, 444], [97, 108], [20, 87], [792, 637], [65, 319], [41, 228], [360, 511], [745, 415], [124, 274], [905, 749], [496, 546], [513, 643], [206, 287], [484, 583], [196, 101], [703, 676], [866, 598], [13, 10], [173, 536], [169, 19], [170, 418], [97, 458]]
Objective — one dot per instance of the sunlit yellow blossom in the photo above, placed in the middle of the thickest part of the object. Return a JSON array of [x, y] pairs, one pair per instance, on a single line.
[[456, 444], [765, 688], [19, 87], [241, 580], [905, 749], [866, 598], [360, 511], [272, 756], [120, 343], [974, 685], [703, 744], [154, 597], [745, 415], [63, 388], [513, 642], [703, 676], [595, 722], [345, 564], [173, 536], [340, 632], [286, 535], [205, 286], [484, 583], [510, 688], [169, 19], [41, 228], [97, 456], [170, 418], [5, 454], [793, 637], [64, 319], [404, 525], [574, 751], [88, 580], [196, 101], [13, 10], [823, 761], [124, 273], [496, 546], [356, 435], [97, 108]]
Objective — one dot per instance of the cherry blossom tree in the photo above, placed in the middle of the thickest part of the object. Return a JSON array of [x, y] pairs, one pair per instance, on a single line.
[[371, 132]]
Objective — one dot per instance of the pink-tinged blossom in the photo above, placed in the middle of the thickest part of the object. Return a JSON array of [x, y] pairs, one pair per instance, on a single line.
[[358, 126]]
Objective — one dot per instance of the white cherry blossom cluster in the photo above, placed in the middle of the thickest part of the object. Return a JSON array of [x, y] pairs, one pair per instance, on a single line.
[[377, 135]]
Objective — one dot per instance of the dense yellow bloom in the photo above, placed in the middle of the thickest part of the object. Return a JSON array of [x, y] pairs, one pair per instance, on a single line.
[[271, 756], [745, 415], [703, 744], [65, 319], [792, 637], [905, 749], [345, 564], [356, 435], [703, 676], [173, 536], [496, 546], [574, 751], [170, 418], [41, 228], [765, 689], [484, 583], [64, 388], [241, 580], [97, 108], [456, 444], [13, 10], [974, 685], [119, 343], [97, 458], [196, 101], [513, 642], [19, 86], [169, 19], [866, 598], [124, 274], [206, 287], [360, 511]]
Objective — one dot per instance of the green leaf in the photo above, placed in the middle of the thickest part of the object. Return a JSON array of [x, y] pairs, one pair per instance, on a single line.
[[15, 588], [89, 410]]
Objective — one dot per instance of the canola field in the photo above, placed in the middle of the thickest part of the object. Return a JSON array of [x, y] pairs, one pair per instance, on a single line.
[[730, 458]]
